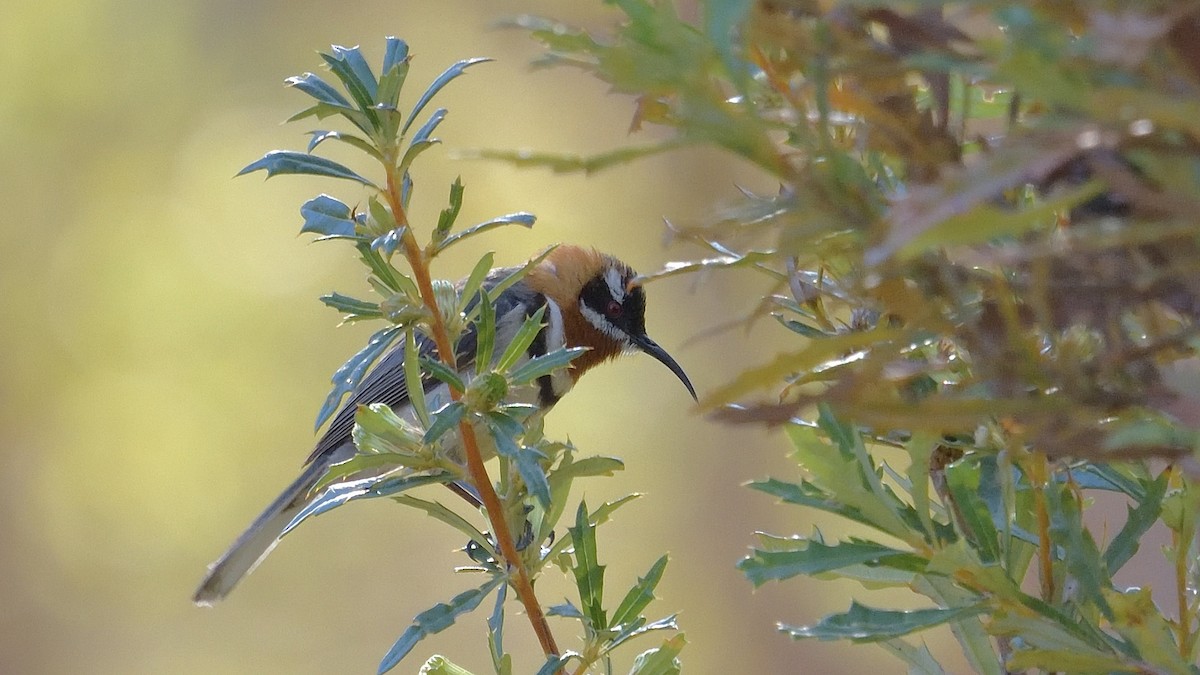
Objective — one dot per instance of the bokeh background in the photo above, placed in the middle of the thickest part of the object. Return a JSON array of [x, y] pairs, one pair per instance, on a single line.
[[164, 353]]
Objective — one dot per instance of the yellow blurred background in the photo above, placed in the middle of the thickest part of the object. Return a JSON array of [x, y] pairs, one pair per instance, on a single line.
[[165, 354]]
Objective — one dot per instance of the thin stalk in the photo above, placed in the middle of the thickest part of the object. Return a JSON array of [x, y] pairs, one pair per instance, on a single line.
[[1181, 543], [479, 476], [1039, 473]]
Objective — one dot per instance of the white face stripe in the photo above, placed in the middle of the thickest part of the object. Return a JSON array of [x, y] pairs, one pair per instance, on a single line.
[[601, 324], [555, 338], [612, 276]]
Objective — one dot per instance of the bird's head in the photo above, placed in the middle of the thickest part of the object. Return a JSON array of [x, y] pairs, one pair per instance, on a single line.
[[602, 305]]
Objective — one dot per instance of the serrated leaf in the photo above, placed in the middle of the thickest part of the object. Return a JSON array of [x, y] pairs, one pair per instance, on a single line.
[[327, 216], [354, 71], [449, 214], [544, 365], [867, 624], [521, 218], [1138, 620], [566, 609], [414, 377], [1062, 660], [427, 129], [314, 86], [814, 557], [814, 357], [393, 74], [501, 661], [279, 162], [919, 659], [663, 660], [443, 373], [1081, 555], [320, 136], [436, 86], [963, 481], [573, 163], [347, 377], [443, 514], [639, 627], [375, 486], [554, 664], [640, 595], [504, 430], [524, 337], [1137, 522], [485, 331], [444, 420], [598, 517], [436, 619], [588, 572], [440, 665]]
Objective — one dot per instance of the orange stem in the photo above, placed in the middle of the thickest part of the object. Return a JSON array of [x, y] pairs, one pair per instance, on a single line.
[[479, 476]]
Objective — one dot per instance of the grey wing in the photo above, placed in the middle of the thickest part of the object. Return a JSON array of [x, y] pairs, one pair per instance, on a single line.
[[386, 382]]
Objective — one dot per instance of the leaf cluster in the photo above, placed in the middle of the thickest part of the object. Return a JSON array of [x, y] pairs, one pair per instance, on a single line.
[[424, 444], [985, 249]]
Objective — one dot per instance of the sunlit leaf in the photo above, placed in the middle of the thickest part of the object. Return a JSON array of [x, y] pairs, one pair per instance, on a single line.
[[347, 377], [544, 365], [640, 595], [589, 573], [328, 216], [522, 218], [866, 624], [279, 162], [435, 620], [440, 81], [815, 557], [663, 660]]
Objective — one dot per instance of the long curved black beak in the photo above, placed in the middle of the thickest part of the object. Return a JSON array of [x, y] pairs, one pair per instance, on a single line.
[[644, 343]]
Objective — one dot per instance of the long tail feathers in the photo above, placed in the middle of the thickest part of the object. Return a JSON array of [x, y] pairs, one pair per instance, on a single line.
[[257, 541]]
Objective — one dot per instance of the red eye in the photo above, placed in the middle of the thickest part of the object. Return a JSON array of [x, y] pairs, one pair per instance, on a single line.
[[614, 309]]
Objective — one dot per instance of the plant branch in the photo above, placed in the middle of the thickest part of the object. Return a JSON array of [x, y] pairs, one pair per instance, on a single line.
[[478, 472]]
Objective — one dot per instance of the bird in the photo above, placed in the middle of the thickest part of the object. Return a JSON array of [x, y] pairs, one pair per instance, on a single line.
[[588, 299]]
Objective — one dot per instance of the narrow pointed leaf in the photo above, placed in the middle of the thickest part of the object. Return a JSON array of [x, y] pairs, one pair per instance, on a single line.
[[395, 53], [441, 81], [320, 136], [375, 486], [640, 595], [327, 216], [521, 341], [816, 558], [505, 430], [589, 573], [866, 624], [495, 624], [485, 331], [444, 420], [521, 218], [663, 660], [443, 514], [449, 214], [435, 620], [640, 627], [443, 373], [414, 378], [279, 162], [1138, 521], [553, 664], [544, 365], [467, 296], [355, 308], [314, 86], [426, 129], [350, 59], [346, 378]]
